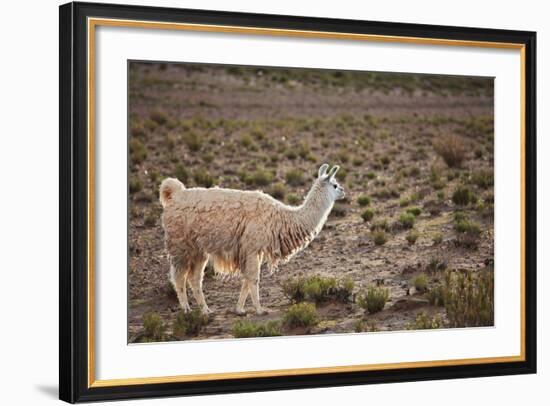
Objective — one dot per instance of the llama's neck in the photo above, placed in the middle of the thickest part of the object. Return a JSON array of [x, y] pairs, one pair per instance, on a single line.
[[298, 226], [313, 212]]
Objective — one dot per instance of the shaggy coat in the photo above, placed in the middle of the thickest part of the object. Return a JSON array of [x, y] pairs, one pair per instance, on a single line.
[[237, 230]]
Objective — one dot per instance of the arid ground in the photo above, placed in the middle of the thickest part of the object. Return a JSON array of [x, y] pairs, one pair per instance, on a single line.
[[416, 154]]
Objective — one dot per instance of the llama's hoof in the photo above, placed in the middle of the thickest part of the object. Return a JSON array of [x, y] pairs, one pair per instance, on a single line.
[[186, 308], [206, 311], [262, 311], [240, 312]]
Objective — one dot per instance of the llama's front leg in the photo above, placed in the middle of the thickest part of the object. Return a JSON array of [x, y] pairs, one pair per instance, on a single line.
[[245, 290], [195, 280], [252, 275]]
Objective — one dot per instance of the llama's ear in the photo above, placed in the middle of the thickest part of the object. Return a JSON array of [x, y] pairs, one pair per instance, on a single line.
[[323, 170], [333, 171]]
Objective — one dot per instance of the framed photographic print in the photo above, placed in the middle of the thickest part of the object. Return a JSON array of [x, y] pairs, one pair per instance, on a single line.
[[257, 202]]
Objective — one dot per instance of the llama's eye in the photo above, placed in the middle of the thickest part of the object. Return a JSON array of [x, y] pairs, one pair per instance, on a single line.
[[335, 186]]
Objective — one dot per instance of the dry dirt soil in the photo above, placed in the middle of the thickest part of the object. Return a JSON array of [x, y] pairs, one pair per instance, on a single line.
[[247, 128]]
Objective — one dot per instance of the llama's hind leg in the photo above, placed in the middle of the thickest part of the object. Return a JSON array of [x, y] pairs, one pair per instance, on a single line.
[[195, 280], [245, 290], [252, 274], [179, 281]]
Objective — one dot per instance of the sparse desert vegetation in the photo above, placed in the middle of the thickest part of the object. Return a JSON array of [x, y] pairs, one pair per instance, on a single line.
[[411, 245]]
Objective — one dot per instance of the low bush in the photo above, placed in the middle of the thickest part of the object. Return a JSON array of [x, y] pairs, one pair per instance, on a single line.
[[468, 231], [193, 141], [301, 315], [407, 220], [153, 326], [318, 289], [451, 149], [181, 173], [203, 178], [463, 196], [424, 322], [415, 211], [420, 283], [159, 117], [260, 177], [138, 152], [295, 177], [469, 301], [135, 185], [189, 323], [412, 236], [363, 200], [246, 328], [374, 299], [379, 237], [367, 214], [278, 191], [293, 199], [483, 179]]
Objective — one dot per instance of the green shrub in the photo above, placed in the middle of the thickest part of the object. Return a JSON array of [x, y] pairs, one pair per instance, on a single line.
[[436, 265], [203, 178], [159, 117], [415, 211], [278, 191], [301, 315], [356, 161], [468, 232], [293, 199], [469, 301], [135, 185], [483, 179], [436, 295], [437, 238], [363, 200], [420, 283], [451, 149], [404, 202], [381, 224], [150, 219], [295, 177], [138, 152], [138, 130], [407, 220], [371, 175], [379, 237], [154, 326], [367, 214], [414, 171], [318, 289], [374, 299], [181, 173], [193, 141], [260, 177], [303, 150], [246, 141], [463, 196], [189, 323], [424, 322], [245, 329], [412, 236]]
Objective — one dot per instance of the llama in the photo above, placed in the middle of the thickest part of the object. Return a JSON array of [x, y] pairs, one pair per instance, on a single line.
[[237, 231]]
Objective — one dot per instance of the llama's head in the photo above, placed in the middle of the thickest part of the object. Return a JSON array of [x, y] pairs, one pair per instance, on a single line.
[[328, 183]]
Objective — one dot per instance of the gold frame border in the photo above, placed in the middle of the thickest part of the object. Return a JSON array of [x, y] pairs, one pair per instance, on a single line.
[[94, 22]]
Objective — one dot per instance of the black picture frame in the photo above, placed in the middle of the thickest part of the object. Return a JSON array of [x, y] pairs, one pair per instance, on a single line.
[[73, 285]]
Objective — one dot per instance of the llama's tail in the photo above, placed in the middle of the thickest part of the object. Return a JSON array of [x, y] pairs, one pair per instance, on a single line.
[[168, 187]]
